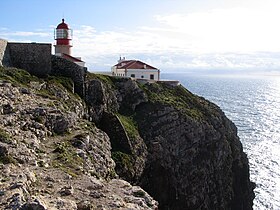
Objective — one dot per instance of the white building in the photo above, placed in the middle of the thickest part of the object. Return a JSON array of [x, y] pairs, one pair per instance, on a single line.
[[135, 69]]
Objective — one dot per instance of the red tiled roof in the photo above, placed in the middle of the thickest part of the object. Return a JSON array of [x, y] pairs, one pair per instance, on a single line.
[[133, 64], [123, 63], [71, 58]]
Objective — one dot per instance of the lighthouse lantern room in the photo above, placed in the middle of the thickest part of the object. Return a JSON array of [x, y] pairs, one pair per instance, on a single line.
[[63, 37]]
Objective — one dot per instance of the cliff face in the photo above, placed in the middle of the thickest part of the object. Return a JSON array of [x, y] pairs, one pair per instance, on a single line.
[[51, 156], [191, 156], [195, 157], [58, 151]]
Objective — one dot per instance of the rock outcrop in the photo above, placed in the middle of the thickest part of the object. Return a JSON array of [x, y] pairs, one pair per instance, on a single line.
[[58, 151], [191, 156], [195, 158], [51, 156]]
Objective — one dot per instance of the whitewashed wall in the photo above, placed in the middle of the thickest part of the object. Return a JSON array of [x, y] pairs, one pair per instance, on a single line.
[[136, 73], [143, 73]]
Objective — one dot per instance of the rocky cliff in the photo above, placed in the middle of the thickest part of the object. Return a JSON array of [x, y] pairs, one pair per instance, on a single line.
[[51, 155], [179, 147], [58, 151]]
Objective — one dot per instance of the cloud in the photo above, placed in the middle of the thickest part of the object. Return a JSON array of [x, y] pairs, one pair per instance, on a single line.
[[265, 61], [101, 50], [227, 30], [5, 33], [230, 38]]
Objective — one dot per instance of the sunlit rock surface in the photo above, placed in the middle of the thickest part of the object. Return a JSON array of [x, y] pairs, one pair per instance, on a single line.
[[58, 151]]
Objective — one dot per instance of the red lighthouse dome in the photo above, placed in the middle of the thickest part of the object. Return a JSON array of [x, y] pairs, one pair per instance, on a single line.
[[63, 36], [62, 25]]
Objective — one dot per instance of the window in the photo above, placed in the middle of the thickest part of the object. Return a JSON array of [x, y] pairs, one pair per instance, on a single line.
[[63, 34], [132, 75], [152, 77]]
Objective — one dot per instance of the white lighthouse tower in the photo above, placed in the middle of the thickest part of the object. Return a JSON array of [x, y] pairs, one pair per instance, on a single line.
[[63, 36]]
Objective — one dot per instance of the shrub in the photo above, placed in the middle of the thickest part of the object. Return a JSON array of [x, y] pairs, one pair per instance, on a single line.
[[67, 159], [5, 137], [129, 125]]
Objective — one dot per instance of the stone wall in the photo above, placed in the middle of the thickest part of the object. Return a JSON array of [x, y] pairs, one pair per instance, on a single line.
[[4, 55], [3, 45], [63, 67], [33, 57], [37, 60]]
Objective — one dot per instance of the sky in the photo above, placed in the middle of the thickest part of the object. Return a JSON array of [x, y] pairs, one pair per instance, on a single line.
[[236, 36]]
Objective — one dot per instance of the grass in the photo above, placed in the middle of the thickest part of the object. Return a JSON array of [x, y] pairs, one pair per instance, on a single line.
[[103, 78], [5, 137], [22, 77], [17, 76], [129, 125], [66, 82], [139, 193], [57, 86], [178, 97], [39, 119], [67, 159], [122, 160], [7, 159], [106, 79]]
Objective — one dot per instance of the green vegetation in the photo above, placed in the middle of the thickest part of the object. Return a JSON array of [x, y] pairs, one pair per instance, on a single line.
[[139, 193], [103, 78], [106, 79], [7, 159], [22, 77], [5, 137], [122, 160], [130, 126], [88, 126], [53, 83], [65, 82], [112, 174], [178, 97], [16, 76], [67, 159], [39, 119], [58, 88]]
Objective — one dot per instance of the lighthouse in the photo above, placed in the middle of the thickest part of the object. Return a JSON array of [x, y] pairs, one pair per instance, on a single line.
[[63, 37]]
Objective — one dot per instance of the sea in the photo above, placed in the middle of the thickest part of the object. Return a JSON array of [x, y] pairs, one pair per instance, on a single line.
[[253, 104]]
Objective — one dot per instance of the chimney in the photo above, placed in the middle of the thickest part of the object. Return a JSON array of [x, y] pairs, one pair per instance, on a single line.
[[121, 59]]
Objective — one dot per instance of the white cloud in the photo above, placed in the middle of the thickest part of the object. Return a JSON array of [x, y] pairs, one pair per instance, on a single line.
[[227, 30], [5, 33], [101, 50], [229, 38]]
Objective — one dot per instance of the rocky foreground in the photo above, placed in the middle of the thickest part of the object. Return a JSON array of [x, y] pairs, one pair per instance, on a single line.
[[107, 150], [51, 157]]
